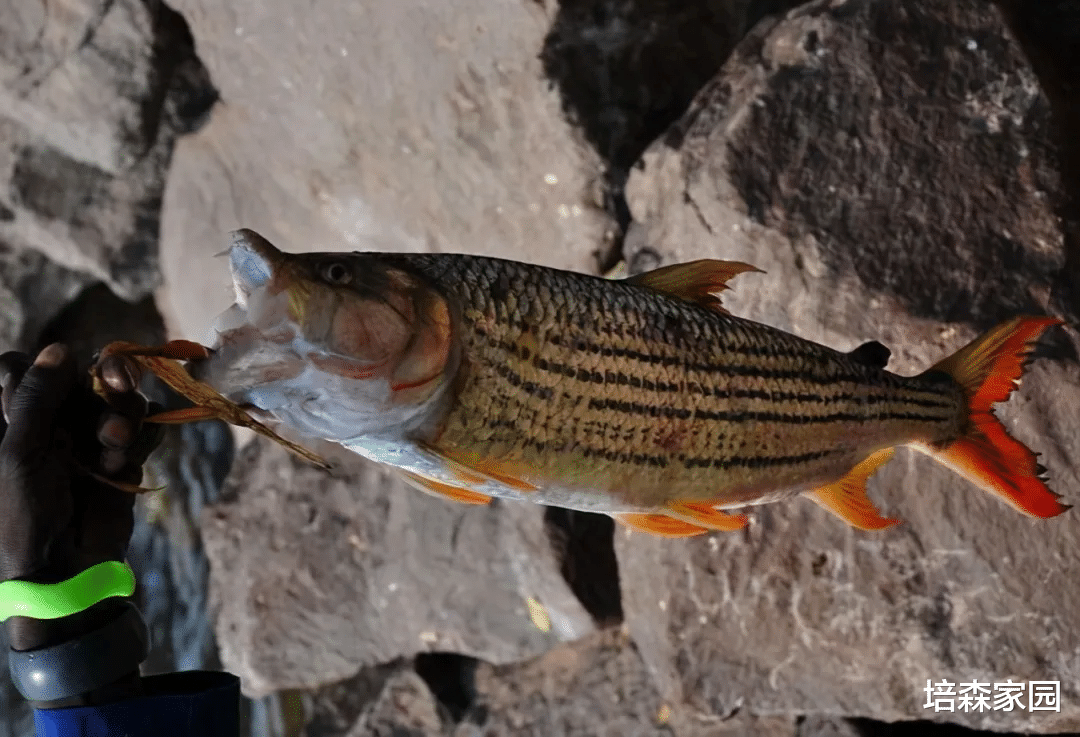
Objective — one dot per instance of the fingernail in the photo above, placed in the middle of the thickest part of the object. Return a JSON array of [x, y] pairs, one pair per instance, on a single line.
[[120, 375], [52, 356]]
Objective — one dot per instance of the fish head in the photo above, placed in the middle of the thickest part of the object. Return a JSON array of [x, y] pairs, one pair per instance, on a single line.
[[334, 345]]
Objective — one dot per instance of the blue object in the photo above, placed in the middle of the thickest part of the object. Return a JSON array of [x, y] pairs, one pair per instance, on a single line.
[[186, 704]]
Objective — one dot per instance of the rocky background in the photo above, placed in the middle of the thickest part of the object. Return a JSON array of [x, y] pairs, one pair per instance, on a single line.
[[903, 170]]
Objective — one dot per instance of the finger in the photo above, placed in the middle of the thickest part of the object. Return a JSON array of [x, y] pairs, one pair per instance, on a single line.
[[120, 373], [125, 442], [33, 406], [131, 405], [116, 431], [115, 435], [12, 367]]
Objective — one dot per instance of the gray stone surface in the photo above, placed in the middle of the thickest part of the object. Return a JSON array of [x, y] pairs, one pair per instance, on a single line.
[[376, 126], [79, 74], [891, 167], [405, 708], [315, 576], [597, 685], [33, 290], [92, 95]]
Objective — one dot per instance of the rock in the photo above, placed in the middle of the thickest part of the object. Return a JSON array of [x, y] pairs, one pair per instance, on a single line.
[[625, 70], [81, 78], [818, 726], [93, 95], [890, 166], [596, 685], [378, 126], [33, 290], [537, 562], [405, 708], [316, 576]]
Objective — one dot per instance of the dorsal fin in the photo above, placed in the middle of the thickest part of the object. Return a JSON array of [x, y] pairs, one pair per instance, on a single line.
[[694, 281], [872, 354]]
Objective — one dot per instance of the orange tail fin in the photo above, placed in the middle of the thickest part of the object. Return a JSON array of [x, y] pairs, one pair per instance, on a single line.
[[989, 369]]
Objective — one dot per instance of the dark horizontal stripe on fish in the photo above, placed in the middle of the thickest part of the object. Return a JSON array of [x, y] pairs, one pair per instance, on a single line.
[[781, 396], [652, 410], [771, 352], [756, 461], [620, 379], [529, 387], [643, 459]]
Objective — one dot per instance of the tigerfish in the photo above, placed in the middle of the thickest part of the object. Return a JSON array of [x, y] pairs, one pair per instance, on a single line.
[[642, 398]]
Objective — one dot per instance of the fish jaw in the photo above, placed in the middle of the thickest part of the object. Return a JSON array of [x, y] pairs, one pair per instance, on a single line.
[[327, 362]]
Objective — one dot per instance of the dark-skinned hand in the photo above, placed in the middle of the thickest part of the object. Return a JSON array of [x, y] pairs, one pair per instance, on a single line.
[[56, 519]]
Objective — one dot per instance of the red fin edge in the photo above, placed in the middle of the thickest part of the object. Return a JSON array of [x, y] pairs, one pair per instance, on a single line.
[[989, 369]]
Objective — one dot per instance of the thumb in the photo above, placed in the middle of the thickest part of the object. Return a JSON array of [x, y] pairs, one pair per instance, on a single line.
[[35, 403]]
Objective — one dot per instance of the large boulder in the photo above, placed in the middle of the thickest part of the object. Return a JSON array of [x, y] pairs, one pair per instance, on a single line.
[[80, 75], [318, 575], [891, 166], [376, 126], [92, 95], [597, 685]]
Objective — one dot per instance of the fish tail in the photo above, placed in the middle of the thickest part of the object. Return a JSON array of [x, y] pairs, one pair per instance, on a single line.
[[989, 369]]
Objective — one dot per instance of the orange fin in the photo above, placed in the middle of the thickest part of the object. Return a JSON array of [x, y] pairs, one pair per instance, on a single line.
[[659, 524], [703, 514], [446, 491], [989, 369], [180, 416], [121, 485], [473, 469], [695, 281], [847, 498]]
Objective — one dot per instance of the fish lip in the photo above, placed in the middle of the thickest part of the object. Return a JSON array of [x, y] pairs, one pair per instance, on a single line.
[[254, 262]]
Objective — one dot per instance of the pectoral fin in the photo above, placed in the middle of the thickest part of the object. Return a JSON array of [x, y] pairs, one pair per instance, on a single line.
[[695, 281], [847, 498], [445, 491], [659, 524], [180, 416], [703, 514], [474, 469]]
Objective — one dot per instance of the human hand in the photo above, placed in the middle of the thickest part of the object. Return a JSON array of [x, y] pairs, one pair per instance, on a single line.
[[56, 519]]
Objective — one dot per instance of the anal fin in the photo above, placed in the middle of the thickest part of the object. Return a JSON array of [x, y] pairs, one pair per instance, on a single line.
[[659, 524], [476, 469], [847, 498], [446, 491], [703, 514]]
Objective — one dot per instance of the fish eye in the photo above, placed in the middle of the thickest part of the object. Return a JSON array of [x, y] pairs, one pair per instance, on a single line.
[[336, 272]]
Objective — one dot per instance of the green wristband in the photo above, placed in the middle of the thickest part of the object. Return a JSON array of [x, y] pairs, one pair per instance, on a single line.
[[55, 600]]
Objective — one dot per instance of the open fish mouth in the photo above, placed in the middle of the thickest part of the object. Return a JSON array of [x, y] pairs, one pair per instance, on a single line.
[[331, 344], [253, 339]]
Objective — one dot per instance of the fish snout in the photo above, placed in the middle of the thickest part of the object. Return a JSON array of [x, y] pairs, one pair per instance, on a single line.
[[253, 261]]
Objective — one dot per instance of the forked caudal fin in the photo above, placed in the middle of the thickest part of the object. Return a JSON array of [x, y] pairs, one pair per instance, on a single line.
[[989, 369]]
